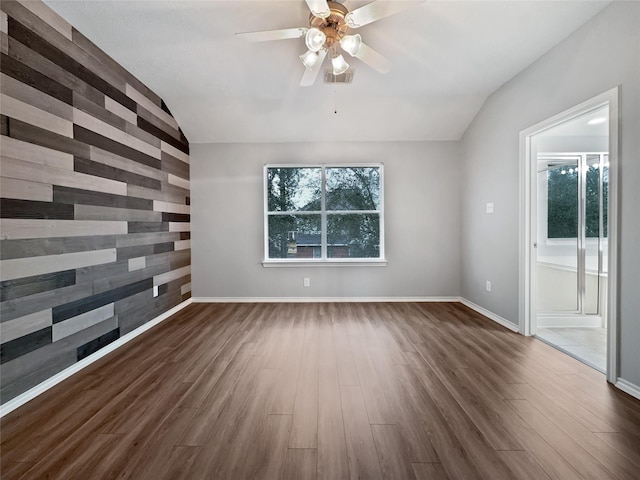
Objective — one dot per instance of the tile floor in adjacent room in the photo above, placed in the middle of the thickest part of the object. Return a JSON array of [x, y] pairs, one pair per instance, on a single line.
[[587, 344]]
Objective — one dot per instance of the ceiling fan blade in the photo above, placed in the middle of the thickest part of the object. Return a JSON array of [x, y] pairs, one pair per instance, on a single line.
[[372, 58], [309, 76], [377, 10], [268, 35], [319, 8]]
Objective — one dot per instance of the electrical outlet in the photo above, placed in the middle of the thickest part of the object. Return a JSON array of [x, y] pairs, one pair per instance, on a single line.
[[306, 282], [488, 285], [490, 207]]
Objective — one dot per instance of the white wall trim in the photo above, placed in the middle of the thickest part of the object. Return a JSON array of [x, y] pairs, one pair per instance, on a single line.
[[628, 387], [33, 392], [490, 315], [321, 299], [483, 311]]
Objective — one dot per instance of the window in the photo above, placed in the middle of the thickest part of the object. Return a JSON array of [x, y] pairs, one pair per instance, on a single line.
[[563, 196], [323, 213]]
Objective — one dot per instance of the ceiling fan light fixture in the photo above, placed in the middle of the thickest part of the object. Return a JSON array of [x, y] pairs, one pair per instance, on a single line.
[[319, 8], [339, 65], [315, 39], [351, 44], [309, 59]]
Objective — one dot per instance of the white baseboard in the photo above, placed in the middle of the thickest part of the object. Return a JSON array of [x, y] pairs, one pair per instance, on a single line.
[[322, 299], [490, 315], [30, 394], [483, 311], [628, 387]]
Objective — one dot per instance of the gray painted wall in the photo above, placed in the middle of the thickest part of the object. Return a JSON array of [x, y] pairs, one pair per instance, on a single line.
[[422, 222], [604, 53]]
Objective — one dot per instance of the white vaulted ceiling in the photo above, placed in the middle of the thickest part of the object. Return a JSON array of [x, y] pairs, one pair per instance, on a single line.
[[448, 57]]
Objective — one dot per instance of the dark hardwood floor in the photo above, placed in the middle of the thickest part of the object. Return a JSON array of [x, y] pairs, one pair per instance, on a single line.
[[328, 391]]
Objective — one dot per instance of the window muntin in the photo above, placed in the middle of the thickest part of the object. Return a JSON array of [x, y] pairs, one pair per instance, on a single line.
[[324, 213]]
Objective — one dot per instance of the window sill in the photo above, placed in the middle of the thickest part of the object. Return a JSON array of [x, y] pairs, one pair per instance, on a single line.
[[325, 263]]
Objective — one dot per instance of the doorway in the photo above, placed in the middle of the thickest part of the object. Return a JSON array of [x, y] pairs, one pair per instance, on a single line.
[[572, 194], [569, 217]]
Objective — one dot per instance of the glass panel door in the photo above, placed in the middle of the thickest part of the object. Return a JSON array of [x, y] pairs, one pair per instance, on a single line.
[[558, 235]]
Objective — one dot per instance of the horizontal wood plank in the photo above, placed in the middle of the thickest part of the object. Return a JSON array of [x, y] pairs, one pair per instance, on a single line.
[[25, 190], [30, 152], [97, 212], [18, 228], [142, 100], [82, 165], [13, 208], [50, 17], [19, 327], [174, 152], [96, 125], [12, 168], [25, 286], [120, 110], [25, 267], [27, 113], [172, 275], [171, 207], [82, 321], [34, 97]]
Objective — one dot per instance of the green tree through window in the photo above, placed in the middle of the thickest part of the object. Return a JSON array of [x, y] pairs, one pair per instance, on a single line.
[[332, 212], [562, 206]]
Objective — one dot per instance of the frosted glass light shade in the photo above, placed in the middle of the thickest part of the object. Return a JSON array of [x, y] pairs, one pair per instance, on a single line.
[[309, 59], [351, 44], [315, 39], [317, 6], [339, 65]]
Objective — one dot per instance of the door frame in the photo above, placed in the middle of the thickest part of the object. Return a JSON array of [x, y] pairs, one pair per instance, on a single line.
[[528, 216]]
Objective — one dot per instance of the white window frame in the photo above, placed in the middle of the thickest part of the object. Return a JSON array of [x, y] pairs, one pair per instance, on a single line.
[[323, 260]]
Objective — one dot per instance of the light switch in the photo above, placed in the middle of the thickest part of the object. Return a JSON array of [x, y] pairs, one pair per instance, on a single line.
[[490, 207]]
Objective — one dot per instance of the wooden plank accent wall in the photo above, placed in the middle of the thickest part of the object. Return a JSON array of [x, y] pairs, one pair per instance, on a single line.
[[94, 207]]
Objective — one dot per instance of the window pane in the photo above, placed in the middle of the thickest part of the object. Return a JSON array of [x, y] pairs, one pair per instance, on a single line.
[[353, 188], [353, 236], [562, 216], [293, 189], [294, 236], [592, 210]]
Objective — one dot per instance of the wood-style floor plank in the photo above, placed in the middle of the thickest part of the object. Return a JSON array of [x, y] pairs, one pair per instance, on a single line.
[[304, 426], [331, 460], [301, 464], [327, 391], [361, 449], [429, 471], [394, 453]]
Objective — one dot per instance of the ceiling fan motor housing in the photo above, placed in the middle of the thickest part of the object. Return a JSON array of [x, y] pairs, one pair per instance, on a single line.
[[334, 26]]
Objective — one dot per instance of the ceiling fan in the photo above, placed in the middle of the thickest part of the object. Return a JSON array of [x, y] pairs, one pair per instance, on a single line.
[[327, 34]]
